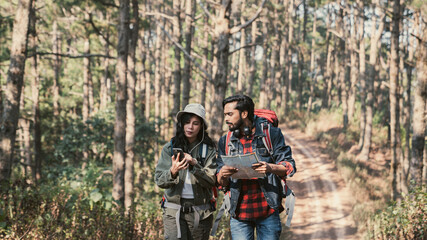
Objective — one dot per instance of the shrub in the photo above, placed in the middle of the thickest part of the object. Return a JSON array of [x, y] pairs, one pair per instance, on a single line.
[[404, 220]]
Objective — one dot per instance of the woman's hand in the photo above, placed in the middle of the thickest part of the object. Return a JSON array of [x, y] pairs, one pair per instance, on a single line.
[[189, 159], [178, 165]]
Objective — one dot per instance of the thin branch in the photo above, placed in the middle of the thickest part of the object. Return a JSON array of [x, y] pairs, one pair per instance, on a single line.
[[98, 31], [161, 15], [206, 10], [107, 4], [258, 12], [185, 52], [336, 33], [74, 56], [246, 46]]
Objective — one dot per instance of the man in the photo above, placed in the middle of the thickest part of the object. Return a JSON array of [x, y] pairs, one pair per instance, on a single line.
[[254, 203]]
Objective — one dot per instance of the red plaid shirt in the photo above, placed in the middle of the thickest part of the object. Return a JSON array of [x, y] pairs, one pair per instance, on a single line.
[[252, 201]]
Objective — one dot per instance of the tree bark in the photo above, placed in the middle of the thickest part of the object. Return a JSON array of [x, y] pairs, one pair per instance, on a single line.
[[419, 119], [341, 62], [120, 122], [362, 72], [220, 66], [252, 62], [354, 63], [312, 62], [242, 56], [264, 80], [394, 100], [177, 58], [376, 34], [130, 110], [188, 35], [57, 67], [87, 75], [106, 80], [15, 79], [35, 93]]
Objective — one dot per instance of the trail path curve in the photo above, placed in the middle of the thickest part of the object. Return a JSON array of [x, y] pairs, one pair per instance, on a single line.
[[323, 201]]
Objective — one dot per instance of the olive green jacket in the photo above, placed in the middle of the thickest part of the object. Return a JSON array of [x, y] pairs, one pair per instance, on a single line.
[[202, 177]]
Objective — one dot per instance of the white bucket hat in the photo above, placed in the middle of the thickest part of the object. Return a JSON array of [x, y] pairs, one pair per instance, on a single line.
[[194, 108]]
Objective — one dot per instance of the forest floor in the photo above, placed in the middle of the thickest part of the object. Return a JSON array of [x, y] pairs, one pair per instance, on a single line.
[[323, 205]]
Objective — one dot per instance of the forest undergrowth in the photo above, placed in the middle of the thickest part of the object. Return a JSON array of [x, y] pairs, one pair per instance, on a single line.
[[375, 214]]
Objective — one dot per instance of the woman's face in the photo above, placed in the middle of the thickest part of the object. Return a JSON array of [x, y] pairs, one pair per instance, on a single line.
[[192, 128]]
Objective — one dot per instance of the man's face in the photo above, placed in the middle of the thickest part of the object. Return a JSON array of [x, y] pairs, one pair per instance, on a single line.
[[232, 116]]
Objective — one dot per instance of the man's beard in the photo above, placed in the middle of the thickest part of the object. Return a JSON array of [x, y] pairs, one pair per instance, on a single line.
[[236, 125]]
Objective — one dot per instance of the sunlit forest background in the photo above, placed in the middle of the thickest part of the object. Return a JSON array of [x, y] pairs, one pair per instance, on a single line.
[[89, 91]]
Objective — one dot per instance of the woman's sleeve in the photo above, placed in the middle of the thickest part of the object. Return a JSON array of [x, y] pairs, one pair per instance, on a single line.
[[163, 176], [205, 175]]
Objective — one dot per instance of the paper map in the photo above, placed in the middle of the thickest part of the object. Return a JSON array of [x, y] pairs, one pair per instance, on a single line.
[[244, 164]]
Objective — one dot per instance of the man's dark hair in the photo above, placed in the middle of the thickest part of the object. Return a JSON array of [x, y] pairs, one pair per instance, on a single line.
[[244, 103]]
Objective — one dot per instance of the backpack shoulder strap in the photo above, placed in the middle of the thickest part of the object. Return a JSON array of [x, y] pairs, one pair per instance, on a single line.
[[267, 139], [227, 141], [203, 152]]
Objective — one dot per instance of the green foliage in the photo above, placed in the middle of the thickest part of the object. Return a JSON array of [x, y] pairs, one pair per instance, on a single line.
[[404, 220], [95, 136], [74, 204]]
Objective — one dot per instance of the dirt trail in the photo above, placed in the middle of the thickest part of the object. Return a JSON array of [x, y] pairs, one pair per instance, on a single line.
[[323, 202]]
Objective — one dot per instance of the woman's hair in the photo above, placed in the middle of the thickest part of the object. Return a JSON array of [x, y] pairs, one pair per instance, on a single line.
[[180, 140]]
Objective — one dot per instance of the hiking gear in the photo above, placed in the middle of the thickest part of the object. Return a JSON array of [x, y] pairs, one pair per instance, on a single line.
[[270, 115], [186, 223], [186, 209], [202, 178], [196, 109]]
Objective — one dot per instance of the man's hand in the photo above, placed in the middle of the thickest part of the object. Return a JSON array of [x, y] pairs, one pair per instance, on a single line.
[[262, 167], [177, 165], [225, 173]]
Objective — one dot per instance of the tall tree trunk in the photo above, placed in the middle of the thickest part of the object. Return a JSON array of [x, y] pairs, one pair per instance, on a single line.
[[252, 62], [341, 61], [242, 56], [354, 69], [35, 92], [362, 72], [394, 100], [87, 75], [328, 73], [15, 79], [121, 87], [376, 34], [205, 60], [188, 33], [419, 119], [157, 75], [300, 83], [106, 80], [177, 58], [220, 66], [130, 109], [264, 80], [289, 56], [312, 62], [57, 68]]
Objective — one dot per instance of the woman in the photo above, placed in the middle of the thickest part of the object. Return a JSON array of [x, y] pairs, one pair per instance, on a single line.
[[188, 182]]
